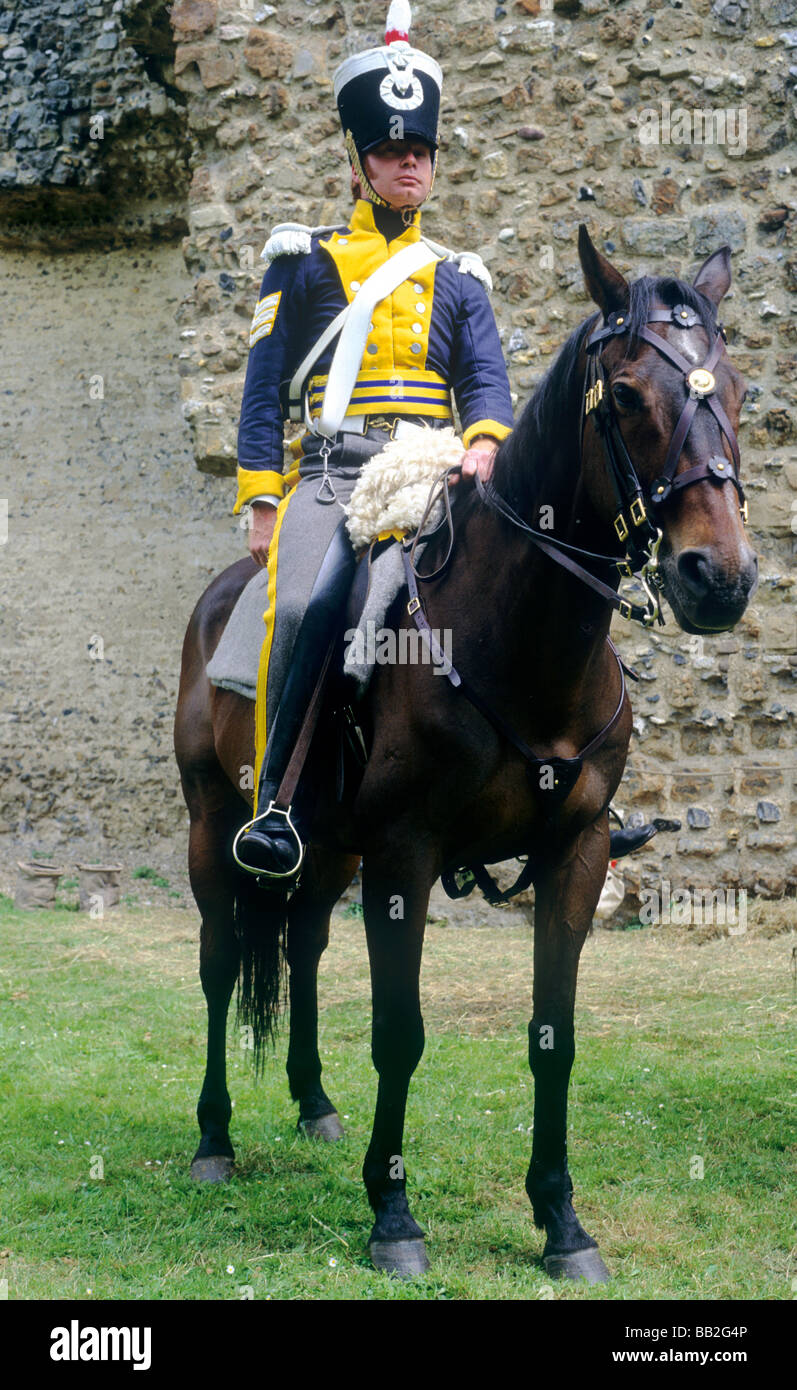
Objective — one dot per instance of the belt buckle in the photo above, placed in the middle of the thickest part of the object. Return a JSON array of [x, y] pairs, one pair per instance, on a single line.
[[382, 423]]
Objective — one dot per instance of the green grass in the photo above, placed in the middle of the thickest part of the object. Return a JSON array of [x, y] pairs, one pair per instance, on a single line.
[[682, 1052], [152, 876]]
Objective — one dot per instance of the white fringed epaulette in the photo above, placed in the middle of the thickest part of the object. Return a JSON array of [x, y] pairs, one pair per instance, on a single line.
[[467, 262], [471, 264], [291, 239]]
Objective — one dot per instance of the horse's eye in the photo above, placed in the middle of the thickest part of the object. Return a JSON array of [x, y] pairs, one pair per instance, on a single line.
[[625, 396]]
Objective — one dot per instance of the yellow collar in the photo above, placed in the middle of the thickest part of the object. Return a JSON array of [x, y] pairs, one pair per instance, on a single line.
[[362, 220]]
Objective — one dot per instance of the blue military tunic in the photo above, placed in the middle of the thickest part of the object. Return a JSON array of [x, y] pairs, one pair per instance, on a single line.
[[436, 334]]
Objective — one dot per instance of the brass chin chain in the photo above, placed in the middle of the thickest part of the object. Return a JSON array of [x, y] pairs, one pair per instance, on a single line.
[[367, 189]]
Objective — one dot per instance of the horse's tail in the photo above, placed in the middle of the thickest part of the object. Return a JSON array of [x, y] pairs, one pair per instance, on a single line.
[[261, 922]]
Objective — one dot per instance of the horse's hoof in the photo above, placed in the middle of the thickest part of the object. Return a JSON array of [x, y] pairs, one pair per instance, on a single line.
[[216, 1168], [578, 1264], [326, 1127], [406, 1258]]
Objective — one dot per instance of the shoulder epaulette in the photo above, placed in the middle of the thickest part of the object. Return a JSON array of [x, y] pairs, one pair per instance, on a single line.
[[291, 239], [467, 262]]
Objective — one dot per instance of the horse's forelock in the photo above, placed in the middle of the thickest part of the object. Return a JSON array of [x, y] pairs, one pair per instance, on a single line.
[[668, 290]]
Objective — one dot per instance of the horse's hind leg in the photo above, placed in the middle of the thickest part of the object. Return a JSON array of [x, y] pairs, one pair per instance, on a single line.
[[565, 900], [213, 885], [324, 878]]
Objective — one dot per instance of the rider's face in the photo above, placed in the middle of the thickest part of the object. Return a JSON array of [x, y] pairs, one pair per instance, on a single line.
[[400, 171]]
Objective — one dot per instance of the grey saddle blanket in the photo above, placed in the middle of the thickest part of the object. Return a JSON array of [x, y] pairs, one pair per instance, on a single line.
[[235, 662]]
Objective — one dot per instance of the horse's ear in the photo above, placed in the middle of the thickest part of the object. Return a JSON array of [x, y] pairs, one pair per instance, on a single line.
[[714, 276], [605, 285]]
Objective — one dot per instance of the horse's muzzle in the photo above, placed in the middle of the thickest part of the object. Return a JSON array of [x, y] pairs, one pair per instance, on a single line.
[[705, 593]]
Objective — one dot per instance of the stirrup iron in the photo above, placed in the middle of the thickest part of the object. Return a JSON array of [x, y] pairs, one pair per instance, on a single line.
[[287, 875]]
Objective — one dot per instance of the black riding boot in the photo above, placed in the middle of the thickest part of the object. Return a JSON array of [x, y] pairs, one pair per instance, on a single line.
[[272, 845]]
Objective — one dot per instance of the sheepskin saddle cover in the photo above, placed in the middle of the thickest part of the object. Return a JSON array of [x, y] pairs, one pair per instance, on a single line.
[[390, 496]]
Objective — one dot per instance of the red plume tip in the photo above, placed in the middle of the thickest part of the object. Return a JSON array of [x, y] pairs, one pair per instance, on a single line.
[[399, 19]]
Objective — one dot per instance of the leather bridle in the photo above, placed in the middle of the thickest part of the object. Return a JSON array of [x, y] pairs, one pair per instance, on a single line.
[[636, 507]]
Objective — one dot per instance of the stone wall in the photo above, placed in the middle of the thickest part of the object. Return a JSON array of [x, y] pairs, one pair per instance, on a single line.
[[93, 146], [543, 116]]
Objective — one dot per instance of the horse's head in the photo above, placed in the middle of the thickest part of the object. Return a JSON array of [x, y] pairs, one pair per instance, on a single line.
[[659, 435]]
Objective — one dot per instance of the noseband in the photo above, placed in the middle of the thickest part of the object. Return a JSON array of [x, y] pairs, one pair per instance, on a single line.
[[636, 505]]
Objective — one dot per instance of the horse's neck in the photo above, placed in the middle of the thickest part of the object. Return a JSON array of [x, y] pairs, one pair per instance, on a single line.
[[547, 622]]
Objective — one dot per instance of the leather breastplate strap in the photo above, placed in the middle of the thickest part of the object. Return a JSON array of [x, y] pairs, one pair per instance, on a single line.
[[553, 777]]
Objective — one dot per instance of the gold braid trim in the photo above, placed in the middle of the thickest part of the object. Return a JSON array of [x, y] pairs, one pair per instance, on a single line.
[[366, 188]]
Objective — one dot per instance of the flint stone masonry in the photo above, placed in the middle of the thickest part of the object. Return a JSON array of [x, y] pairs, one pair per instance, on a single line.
[[540, 130], [93, 139]]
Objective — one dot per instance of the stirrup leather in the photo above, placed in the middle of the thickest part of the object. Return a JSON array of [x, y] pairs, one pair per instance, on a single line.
[[271, 809]]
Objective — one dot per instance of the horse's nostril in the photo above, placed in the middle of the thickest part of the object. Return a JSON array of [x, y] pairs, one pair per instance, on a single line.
[[694, 569]]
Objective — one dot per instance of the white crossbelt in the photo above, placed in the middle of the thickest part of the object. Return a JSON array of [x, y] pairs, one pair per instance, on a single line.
[[353, 323]]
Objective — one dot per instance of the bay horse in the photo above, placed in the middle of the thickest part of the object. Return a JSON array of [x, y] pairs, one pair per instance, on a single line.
[[580, 493]]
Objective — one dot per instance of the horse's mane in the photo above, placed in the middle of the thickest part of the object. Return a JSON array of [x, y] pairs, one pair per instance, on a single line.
[[523, 458]]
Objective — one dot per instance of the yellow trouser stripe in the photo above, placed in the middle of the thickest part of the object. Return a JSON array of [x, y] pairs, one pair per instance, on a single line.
[[261, 724]]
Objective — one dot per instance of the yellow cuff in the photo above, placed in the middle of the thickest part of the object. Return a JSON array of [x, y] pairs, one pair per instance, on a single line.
[[257, 482], [492, 427]]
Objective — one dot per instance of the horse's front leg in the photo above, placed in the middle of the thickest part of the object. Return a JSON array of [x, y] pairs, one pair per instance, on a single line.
[[324, 878], [566, 896], [395, 898]]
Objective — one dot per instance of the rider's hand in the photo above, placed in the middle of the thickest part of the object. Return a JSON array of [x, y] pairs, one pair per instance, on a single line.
[[477, 459], [263, 517]]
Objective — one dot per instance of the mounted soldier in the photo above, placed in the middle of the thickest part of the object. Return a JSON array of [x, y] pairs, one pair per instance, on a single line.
[[413, 325]]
